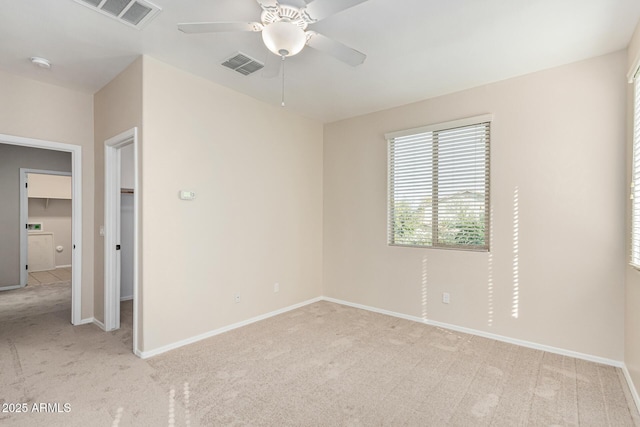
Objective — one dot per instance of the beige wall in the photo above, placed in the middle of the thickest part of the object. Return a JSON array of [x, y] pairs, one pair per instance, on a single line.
[[257, 218], [43, 111], [632, 288], [55, 216], [558, 140], [118, 108], [127, 170]]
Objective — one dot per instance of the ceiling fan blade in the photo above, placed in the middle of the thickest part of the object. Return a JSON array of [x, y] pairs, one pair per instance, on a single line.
[[320, 9], [335, 49], [268, 5], [218, 27], [272, 66]]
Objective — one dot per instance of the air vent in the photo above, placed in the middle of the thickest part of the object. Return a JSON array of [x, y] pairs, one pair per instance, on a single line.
[[134, 13], [243, 64]]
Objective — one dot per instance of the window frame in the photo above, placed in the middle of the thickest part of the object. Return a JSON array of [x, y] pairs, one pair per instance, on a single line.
[[634, 250], [436, 128]]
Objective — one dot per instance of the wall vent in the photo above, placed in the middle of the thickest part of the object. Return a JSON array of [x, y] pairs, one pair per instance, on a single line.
[[134, 13], [243, 64]]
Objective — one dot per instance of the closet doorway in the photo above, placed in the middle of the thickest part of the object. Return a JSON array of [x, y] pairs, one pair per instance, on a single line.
[[120, 230]]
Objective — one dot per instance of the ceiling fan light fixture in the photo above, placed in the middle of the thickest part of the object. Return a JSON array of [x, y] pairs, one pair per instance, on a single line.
[[284, 38]]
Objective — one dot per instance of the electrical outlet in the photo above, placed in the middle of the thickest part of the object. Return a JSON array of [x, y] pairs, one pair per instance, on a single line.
[[237, 297], [276, 287], [445, 297]]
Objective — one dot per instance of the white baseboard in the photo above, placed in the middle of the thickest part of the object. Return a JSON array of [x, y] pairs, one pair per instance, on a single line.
[[99, 324], [91, 320], [126, 298], [85, 321], [522, 343], [163, 349], [632, 387]]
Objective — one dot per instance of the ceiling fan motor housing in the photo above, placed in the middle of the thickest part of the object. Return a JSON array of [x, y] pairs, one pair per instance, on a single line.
[[284, 13]]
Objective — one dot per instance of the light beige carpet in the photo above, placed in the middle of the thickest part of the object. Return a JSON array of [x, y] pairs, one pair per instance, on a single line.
[[34, 300], [321, 365]]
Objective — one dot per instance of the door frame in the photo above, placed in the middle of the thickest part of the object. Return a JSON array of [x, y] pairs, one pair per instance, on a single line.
[[24, 217], [112, 170], [76, 212]]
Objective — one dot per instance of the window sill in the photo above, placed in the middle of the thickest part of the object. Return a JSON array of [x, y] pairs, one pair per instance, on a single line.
[[446, 248]]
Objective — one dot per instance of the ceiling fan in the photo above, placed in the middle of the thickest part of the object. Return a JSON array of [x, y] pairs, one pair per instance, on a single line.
[[284, 29]]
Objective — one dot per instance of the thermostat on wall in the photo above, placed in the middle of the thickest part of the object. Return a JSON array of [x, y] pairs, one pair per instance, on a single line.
[[187, 195]]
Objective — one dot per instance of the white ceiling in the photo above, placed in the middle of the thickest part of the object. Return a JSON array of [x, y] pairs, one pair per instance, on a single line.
[[416, 48]]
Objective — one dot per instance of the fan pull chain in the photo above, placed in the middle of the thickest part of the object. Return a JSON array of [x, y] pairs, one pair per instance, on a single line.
[[282, 80]]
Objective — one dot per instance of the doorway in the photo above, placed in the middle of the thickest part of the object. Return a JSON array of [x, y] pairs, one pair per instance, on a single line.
[[76, 214], [45, 239], [121, 155]]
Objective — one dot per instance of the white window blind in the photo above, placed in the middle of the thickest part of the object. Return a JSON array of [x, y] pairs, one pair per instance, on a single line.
[[635, 178], [439, 185]]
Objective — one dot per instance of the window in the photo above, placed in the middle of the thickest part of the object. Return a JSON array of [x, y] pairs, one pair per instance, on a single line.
[[635, 178], [439, 185]]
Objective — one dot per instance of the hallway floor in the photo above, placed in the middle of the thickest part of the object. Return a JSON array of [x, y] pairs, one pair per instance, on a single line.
[[50, 276]]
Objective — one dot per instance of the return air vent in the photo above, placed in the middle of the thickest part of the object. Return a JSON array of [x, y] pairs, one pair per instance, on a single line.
[[243, 64], [135, 13]]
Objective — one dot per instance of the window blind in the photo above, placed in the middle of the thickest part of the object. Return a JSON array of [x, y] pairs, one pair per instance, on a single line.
[[439, 186], [635, 178]]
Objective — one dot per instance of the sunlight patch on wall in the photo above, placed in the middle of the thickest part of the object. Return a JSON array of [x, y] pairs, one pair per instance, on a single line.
[[516, 271], [424, 288]]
